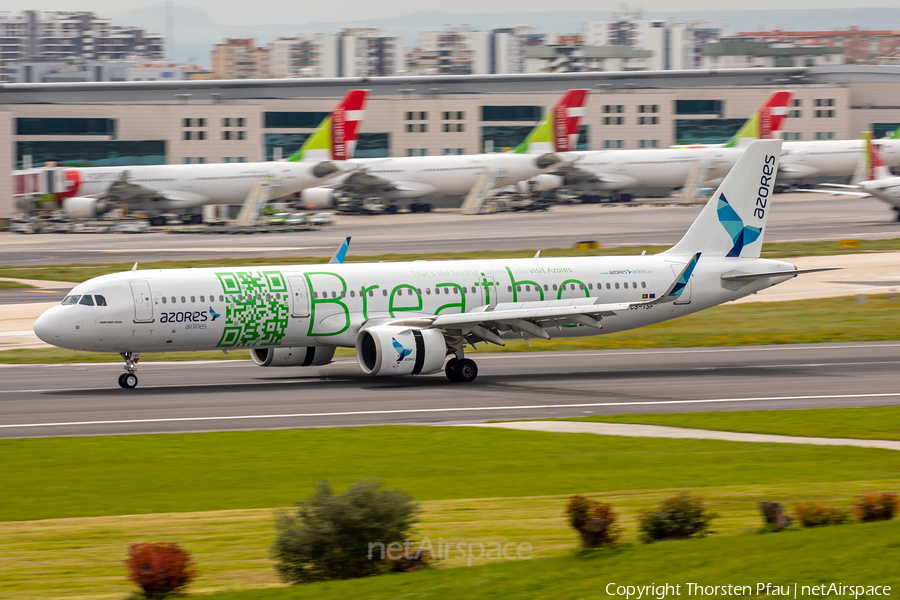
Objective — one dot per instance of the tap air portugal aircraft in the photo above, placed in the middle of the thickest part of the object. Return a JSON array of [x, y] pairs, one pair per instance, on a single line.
[[409, 318], [413, 177], [878, 181], [832, 158], [156, 189], [614, 170]]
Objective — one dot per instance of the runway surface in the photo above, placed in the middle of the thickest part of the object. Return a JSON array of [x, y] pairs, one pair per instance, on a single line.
[[83, 399], [796, 217]]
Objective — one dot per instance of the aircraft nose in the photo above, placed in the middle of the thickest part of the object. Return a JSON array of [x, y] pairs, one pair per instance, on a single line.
[[46, 328]]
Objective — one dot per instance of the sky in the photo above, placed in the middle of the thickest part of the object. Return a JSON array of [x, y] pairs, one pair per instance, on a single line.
[[241, 12]]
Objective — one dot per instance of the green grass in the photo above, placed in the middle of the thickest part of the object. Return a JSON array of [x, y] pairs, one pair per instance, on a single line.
[[870, 423], [95, 476], [13, 285], [850, 554], [81, 558], [758, 323], [83, 272]]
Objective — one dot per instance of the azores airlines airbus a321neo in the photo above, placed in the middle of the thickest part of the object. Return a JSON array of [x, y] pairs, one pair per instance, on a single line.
[[157, 189], [416, 318]]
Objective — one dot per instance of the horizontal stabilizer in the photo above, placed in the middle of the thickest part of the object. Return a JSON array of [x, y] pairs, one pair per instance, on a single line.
[[793, 273]]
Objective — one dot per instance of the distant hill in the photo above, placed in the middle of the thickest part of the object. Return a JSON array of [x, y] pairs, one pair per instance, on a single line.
[[195, 32]]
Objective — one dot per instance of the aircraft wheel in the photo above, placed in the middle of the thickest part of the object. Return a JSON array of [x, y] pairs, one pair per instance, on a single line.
[[414, 207], [129, 380], [450, 369], [121, 380], [391, 209], [426, 207], [466, 370]]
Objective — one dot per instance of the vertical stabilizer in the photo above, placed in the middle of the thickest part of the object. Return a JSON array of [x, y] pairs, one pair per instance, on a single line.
[[733, 221], [558, 131], [874, 164], [765, 124], [335, 138]]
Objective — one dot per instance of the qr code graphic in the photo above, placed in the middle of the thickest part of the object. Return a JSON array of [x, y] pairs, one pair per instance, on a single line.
[[256, 308]]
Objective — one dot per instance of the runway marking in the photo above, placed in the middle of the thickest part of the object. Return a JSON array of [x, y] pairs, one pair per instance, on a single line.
[[438, 410]]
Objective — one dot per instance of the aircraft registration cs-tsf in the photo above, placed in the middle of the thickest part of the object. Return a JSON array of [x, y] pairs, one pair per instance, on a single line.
[[410, 318]]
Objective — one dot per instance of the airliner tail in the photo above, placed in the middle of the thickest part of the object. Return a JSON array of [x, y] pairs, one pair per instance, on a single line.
[[766, 122], [558, 131], [733, 221], [336, 136]]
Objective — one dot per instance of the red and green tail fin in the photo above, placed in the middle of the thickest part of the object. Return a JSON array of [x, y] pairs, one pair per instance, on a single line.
[[558, 131], [335, 138], [766, 122], [874, 164]]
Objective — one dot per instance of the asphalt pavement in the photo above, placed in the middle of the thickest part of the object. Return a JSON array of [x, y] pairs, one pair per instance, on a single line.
[[84, 399], [795, 217]]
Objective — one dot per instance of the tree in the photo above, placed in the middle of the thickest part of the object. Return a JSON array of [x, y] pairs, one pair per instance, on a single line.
[[340, 536]]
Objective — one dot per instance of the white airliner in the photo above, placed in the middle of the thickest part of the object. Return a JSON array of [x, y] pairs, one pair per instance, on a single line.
[[408, 318], [831, 158], [157, 189], [413, 177], [878, 181], [616, 170]]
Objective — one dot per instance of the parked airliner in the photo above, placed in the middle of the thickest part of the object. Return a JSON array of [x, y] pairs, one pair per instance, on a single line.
[[413, 177], [877, 182], [157, 189], [410, 318], [616, 170]]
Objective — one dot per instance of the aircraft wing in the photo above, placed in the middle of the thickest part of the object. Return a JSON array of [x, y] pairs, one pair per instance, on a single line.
[[363, 182], [574, 175], [838, 193], [528, 316], [139, 197]]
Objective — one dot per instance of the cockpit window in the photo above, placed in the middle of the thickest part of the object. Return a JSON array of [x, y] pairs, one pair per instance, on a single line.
[[70, 300], [86, 300], [100, 300]]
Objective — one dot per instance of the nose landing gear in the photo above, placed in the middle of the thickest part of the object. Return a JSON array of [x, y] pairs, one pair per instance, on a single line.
[[128, 379]]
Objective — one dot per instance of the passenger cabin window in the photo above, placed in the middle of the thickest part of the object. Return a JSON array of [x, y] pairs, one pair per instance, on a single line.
[[183, 301], [193, 299], [163, 299], [86, 300]]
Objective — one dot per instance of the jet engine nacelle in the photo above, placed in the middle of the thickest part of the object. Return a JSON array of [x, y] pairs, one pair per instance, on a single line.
[[545, 182], [84, 207], [292, 357], [397, 350], [318, 197]]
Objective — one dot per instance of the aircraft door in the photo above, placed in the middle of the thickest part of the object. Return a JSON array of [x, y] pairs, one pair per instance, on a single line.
[[488, 290], [143, 302], [299, 296]]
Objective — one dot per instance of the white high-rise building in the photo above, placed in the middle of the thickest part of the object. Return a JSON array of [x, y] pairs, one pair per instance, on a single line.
[[675, 45], [307, 55], [34, 34]]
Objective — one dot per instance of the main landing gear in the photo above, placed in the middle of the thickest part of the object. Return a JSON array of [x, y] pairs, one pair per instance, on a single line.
[[461, 370], [128, 379]]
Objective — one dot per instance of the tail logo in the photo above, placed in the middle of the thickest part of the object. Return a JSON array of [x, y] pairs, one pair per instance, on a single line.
[[561, 128], [214, 314], [401, 351], [339, 134], [741, 235]]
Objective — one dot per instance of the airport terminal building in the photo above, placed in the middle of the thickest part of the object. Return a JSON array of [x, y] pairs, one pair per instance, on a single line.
[[160, 122]]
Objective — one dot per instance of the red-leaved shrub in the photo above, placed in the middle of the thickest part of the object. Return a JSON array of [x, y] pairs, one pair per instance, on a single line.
[[160, 569], [811, 514], [876, 507]]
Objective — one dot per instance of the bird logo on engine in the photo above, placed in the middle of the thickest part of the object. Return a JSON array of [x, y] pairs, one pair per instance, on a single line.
[[401, 351]]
